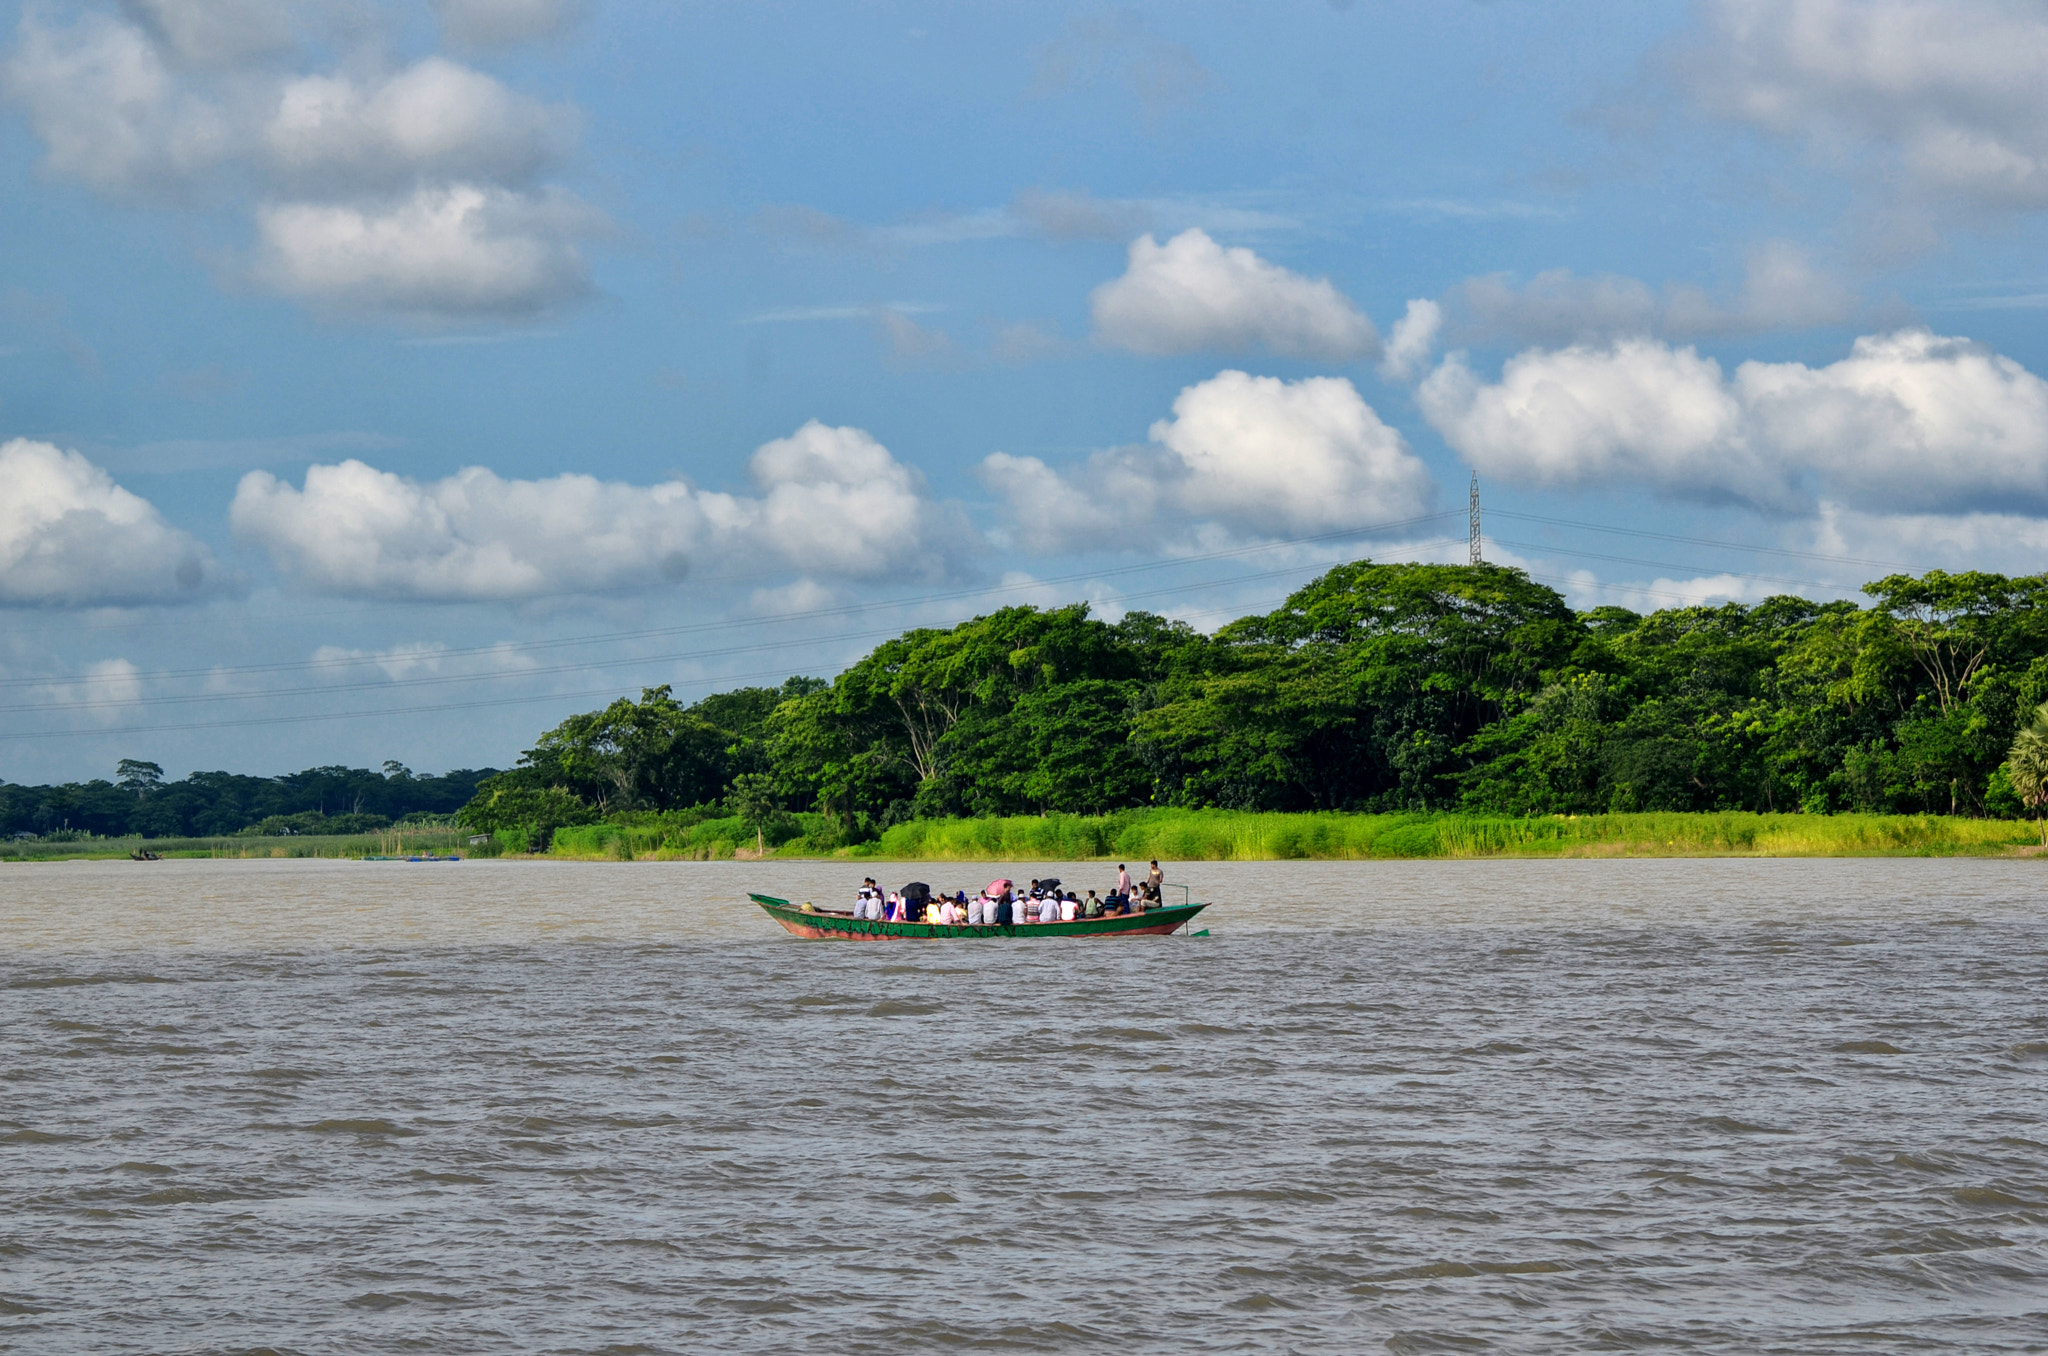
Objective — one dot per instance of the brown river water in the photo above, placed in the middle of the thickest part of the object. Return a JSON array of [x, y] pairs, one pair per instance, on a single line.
[[1714, 1106]]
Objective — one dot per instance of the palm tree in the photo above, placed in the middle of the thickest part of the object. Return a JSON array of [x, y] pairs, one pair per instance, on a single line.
[[2026, 762]]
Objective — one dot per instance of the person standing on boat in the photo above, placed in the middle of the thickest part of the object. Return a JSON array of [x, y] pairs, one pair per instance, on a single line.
[[1004, 915], [1155, 878], [1123, 879]]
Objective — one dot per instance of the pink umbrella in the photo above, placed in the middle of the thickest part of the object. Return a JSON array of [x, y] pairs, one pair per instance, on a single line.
[[996, 888]]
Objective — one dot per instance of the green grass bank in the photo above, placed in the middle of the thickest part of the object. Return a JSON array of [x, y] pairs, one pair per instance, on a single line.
[[1137, 835], [1225, 836]]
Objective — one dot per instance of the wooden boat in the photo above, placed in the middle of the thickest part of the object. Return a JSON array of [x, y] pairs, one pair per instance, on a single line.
[[841, 924]]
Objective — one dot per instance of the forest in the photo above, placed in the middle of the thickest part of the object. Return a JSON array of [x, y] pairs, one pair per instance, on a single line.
[[1376, 687], [214, 804]]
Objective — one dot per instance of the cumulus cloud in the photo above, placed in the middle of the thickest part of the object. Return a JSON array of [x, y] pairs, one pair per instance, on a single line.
[[1948, 92], [1191, 294], [1909, 421], [1781, 289], [109, 110], [406, 192], [1412, 340], [1254, 456], [70, 536], [440, 254], [435, 119], [825, 497]]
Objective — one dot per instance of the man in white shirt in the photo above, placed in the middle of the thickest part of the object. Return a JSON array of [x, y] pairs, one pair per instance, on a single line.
[[1049, 909], [978, 910]]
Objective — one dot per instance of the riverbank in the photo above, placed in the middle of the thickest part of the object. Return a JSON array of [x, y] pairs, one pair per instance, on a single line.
[[1139, 835], [1223, 836]]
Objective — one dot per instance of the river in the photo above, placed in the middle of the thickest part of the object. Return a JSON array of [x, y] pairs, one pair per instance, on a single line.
[[1718, 1106]]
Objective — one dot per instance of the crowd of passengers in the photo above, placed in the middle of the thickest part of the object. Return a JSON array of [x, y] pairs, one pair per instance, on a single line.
[[1002, 903]]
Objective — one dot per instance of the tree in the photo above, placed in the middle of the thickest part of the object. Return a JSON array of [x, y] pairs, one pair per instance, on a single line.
[[649, 754], [1949, 623], [2026, 764], [132, 774], [752, 798]]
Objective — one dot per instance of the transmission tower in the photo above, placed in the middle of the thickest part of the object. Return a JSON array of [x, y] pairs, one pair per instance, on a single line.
[[1474, 544]]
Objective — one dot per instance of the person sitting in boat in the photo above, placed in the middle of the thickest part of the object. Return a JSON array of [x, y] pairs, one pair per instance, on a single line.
[[867, 906], [949, 912], [1003, 914], [1091, 907], [1049, 910], [1070, 908]]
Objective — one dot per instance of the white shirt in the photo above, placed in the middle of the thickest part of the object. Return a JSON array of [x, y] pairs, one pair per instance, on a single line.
[[1068, 910], [1049, 911]]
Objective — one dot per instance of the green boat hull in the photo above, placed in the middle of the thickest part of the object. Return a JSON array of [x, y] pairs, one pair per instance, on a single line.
[[844, 927]]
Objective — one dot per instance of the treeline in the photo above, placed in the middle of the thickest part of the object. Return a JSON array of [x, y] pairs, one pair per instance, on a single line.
[[214, 804], [1374, 688]]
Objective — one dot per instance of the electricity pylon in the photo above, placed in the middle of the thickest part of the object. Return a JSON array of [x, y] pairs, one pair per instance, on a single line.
[[1474, 542]]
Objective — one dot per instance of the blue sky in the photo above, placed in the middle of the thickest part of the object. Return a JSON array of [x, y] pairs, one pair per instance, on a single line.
[[388, 381]]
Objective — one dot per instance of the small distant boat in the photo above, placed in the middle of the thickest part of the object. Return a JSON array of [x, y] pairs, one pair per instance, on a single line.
[[144, 855], [842, 925]]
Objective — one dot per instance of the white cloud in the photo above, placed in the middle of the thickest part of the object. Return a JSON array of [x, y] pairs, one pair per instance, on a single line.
[[408, 192], [1254, 456], [1192, 294], [435, 118], [441, 254], [1909, 421], [832, 500], [108, 109], [69, 536], [104, 690], [1781, 290], [2008, 542], [489, 23], [1412, 339], [1950, 92]]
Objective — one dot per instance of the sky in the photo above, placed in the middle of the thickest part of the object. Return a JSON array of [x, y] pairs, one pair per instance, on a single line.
[[389, 381]]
